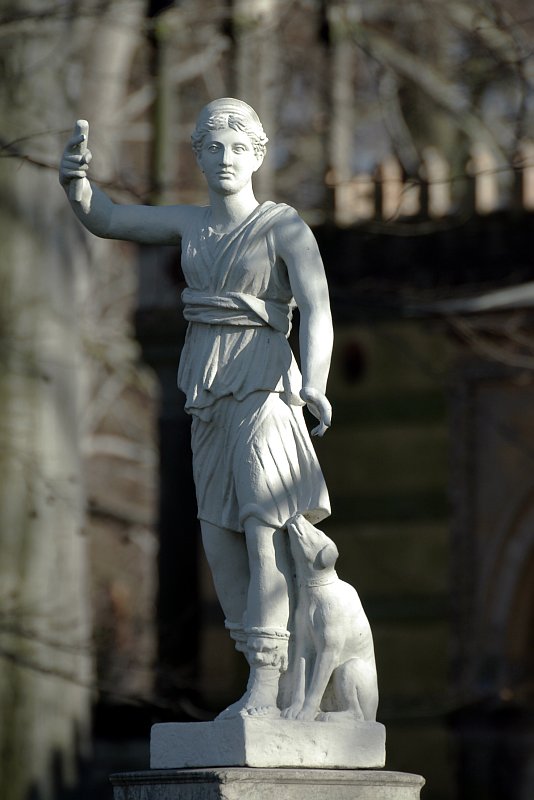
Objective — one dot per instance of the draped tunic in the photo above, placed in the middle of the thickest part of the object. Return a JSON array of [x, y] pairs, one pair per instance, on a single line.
[[251, 450]]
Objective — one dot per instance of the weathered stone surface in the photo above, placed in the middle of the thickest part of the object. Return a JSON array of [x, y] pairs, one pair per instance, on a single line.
[[263, 784], [243, 385], [261, 742]]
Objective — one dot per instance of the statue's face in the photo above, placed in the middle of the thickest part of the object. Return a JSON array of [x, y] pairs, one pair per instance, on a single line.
[[228, 161]]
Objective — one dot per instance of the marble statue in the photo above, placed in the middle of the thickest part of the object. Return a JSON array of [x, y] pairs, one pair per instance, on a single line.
[[260, 489]]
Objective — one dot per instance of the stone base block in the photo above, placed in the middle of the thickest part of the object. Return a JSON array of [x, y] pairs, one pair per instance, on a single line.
[[264, 784], [261, 742]]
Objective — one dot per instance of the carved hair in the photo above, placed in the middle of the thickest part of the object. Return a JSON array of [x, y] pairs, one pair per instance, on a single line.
[[227, 112]]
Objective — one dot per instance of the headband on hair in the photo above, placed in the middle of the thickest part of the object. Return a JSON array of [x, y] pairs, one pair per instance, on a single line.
[[228, 105], [228, 111]]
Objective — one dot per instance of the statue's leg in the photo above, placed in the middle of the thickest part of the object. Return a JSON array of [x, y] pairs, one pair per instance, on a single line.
[[226, 552], [266, 617], [268, 592]]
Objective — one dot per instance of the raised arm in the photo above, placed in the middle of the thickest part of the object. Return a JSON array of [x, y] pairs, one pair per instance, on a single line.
[[296, 244], [103, 217]]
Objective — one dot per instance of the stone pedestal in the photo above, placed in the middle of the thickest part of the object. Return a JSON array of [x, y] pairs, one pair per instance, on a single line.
[[237, 783], [262, 742]]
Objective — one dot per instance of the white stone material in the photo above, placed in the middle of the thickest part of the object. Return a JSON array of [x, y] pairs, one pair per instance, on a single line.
[[334, 644], [259, 742], [266, 784], [258, 482]]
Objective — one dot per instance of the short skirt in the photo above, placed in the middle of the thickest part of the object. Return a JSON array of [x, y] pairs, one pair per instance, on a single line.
[[254, 457]]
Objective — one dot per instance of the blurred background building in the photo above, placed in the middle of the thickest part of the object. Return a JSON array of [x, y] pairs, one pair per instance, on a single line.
[[403, 134]]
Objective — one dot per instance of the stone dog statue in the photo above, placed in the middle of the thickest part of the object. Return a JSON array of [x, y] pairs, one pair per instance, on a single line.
[[333, 670]]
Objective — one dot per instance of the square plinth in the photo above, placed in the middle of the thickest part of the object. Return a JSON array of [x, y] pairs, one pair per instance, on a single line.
[[261, 742], [237, 783]]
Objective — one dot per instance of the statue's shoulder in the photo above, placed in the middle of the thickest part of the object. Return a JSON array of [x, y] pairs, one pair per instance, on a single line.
[[196, 214], [192, 219], [284, 210], [288, 220], [284, 215], [270, 216]]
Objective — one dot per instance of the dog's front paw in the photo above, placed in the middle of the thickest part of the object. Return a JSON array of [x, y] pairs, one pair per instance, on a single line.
[[292, 711], [306, 714]]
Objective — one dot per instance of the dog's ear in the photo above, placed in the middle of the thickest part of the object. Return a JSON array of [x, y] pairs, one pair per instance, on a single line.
[[327, 557]]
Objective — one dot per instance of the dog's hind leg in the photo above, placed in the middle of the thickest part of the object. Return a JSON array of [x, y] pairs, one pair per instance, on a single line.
[[367, 689], [357, 688], [355, 691]]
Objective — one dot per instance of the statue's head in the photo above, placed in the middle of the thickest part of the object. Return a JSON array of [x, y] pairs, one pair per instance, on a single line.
[[227, 112]]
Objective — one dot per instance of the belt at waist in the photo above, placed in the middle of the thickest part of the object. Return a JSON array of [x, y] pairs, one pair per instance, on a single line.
[[236, 308]]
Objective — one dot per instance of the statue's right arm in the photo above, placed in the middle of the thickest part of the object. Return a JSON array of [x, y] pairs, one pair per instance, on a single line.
[[109, 220]]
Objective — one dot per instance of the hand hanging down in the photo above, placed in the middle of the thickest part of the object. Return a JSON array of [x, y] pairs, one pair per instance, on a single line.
[[320, 407]]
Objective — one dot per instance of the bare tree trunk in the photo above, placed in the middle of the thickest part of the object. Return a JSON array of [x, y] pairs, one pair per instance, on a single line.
[[256, 70], [339, 142], [45, 633]]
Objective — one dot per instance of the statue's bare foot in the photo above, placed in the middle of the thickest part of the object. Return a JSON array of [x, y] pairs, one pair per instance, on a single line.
[[260, 698], [261, 711], [245, 707], [233, 710], [337, 716]]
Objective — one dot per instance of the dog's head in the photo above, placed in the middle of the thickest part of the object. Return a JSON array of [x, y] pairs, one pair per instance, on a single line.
[[312, 550]]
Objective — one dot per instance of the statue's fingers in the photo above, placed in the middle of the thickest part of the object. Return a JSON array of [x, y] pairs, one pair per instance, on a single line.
[[313, 409], [323, 412], [73, 158], [320, 429], [75, 173], [74, 143], [75, 161]]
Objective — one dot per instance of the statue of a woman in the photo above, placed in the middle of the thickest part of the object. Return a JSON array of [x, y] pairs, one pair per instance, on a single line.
[[246, 265]]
